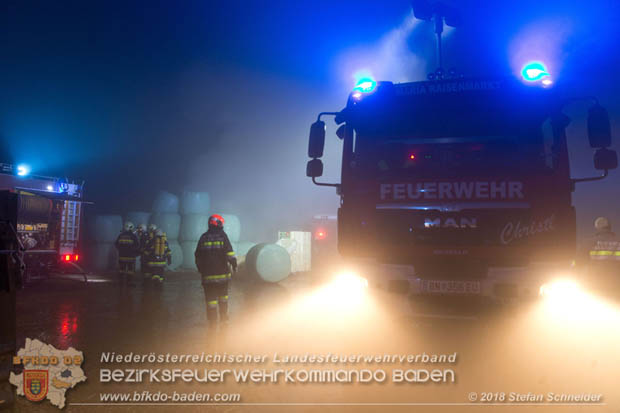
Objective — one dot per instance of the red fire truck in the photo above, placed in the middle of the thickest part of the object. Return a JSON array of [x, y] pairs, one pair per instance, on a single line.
[[463, 181], [49, 215]]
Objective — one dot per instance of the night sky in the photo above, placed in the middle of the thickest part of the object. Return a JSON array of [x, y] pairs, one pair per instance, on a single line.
[[133, 97]]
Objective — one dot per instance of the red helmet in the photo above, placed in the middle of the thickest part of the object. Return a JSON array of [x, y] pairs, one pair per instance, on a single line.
[[216, 221]]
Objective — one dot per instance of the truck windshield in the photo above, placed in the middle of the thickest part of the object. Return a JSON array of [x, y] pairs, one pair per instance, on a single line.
[[449, 157]]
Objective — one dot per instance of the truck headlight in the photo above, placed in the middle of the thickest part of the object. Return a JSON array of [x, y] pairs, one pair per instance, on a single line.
[[348, 283], [563, 289]]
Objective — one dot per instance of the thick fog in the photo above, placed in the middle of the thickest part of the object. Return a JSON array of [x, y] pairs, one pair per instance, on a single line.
[[220, 98]]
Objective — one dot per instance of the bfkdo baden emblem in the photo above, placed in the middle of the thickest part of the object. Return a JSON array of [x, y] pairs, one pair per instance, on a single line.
[[36, 384]]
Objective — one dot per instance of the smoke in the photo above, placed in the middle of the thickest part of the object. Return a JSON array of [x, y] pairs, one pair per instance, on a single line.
[[543, 41], [249, 150], [389, 59]]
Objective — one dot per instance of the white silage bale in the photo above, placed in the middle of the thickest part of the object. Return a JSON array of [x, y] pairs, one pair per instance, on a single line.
[[168, 222], [193, 226], [268, 262], [176, 255], [166, 202], [102, 256], [106, 228], [232, 227], [189, 260], [195, 203], [138, 218]]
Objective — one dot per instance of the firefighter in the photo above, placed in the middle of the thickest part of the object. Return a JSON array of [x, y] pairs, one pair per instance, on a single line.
[[601, 256], [150, 234], [141, 233], [128, 247], [157, 255], [214, 259]]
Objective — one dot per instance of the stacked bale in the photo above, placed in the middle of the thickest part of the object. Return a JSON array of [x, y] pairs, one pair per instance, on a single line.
[[268, 262], [166, 217], [102, 254], [188, 248], [102, 257], [166, 202], [193, 226], [195, 203], [138, 218], [195, 218], [176, 255], [168, 222], [232, 227]]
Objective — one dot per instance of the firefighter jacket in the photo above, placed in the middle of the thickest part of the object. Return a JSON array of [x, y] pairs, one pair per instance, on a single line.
[[142, 237], [600, 255], [158, 251], [213, 254], [603, 247], [128, 245]]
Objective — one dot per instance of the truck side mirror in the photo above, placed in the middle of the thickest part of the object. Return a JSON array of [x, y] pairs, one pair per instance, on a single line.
[[341, 131], [605, 159], [316, 142], [599, 129], [314, 168]]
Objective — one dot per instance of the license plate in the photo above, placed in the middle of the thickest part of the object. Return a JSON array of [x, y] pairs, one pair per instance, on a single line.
[[450, 287]]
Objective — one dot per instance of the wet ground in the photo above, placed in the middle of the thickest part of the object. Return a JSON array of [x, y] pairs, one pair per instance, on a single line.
[[538, 348]]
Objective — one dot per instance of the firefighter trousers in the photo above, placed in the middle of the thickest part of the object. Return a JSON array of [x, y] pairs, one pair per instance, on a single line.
[[155, 274], [127, 265], [216, 296]]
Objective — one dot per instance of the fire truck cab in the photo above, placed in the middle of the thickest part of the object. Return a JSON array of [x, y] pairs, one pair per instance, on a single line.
[[457, 177]]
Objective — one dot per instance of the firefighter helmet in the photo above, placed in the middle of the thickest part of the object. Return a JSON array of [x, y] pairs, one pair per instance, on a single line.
[[128, 226], [216, 220], [159, 233], [152, 227], [602, 224], [142, 227]]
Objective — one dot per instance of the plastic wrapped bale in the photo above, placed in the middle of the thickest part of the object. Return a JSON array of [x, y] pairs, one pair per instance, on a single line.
[[195, 203], [189, 260], [193, 226], [166, 202], [102, 256], [268, 262], [177, 255], [138, 218], [106, 228], [232, 227], [168, 222]]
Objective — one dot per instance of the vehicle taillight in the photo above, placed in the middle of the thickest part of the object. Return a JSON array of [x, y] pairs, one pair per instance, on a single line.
[[70, 257], [320, 234]]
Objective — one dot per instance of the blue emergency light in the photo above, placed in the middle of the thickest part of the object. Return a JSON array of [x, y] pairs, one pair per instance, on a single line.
[[535, 71], [365, 85], [23, 170]]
